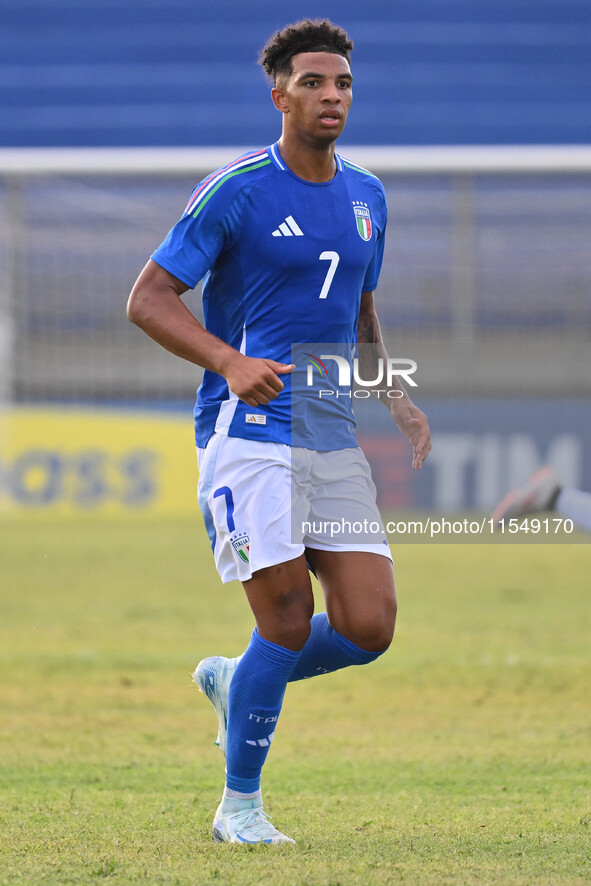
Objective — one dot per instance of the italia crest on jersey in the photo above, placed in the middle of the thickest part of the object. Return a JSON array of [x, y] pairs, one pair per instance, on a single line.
[[363, 219], [241, 544]]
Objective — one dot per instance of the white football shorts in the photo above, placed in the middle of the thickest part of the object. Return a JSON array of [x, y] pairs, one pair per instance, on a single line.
[[265, 503]]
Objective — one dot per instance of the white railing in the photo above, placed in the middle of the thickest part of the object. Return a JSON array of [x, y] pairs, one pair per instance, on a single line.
[[430, 160]]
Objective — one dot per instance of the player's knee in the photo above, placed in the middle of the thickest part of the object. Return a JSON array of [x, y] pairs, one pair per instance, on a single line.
[[377, 639], [291, 635], [374, 631], [289, 622]]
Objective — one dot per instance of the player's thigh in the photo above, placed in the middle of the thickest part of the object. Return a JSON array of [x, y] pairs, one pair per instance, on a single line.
[[360, 595]]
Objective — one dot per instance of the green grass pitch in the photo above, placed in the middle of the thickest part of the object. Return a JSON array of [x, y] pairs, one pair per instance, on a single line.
[[460, 757]]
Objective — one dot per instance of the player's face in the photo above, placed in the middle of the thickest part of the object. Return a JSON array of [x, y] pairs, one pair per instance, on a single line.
[[316, 98]]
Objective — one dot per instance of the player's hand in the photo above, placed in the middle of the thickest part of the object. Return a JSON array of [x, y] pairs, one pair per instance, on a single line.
[[415, 427], [256, 380]]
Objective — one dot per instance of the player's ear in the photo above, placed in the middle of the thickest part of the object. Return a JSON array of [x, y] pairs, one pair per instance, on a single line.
[[280, 99]]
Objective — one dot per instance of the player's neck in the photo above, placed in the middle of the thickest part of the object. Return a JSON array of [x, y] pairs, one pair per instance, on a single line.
[[313, 163]]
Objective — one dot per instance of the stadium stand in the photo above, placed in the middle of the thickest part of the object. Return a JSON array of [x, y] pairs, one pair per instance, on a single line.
[[142, 72]]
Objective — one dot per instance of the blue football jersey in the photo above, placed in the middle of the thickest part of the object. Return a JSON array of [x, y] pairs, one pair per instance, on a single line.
[[284, 262]]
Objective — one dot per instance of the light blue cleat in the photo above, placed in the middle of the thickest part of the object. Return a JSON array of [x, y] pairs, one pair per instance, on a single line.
[[245, 821], [213, 676]]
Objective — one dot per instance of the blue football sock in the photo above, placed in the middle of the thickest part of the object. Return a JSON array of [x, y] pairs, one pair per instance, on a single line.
[[326, 650], [254, 703]]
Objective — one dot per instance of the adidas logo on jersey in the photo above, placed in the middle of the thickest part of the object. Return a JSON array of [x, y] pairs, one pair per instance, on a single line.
[[288, 228]]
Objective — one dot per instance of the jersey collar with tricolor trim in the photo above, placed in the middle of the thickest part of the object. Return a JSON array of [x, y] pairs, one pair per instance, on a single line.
[[273, 151]]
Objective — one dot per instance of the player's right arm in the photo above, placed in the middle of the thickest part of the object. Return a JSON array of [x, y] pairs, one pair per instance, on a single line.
[[156, 306]]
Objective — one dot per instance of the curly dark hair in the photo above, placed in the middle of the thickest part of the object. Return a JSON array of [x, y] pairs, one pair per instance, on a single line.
[[308, 35]]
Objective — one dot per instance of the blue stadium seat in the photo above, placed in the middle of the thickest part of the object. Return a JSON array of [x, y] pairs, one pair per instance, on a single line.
[[149, 72]]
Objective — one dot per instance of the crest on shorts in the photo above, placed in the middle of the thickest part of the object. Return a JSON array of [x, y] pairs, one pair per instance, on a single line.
[[363, 219], [241, 544]]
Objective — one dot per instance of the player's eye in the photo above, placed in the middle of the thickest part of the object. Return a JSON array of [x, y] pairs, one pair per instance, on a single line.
[[311, 82]]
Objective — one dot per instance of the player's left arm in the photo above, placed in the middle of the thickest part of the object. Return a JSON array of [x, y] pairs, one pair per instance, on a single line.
[[409, 418]]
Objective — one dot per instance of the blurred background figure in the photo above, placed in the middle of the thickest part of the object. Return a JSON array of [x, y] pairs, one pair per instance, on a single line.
[[543, 492]]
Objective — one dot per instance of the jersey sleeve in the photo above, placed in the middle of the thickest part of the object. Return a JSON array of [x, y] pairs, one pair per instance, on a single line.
[[372, 274], [208, 226]]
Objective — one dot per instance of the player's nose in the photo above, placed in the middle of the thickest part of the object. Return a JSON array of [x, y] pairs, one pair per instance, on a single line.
[[331, 94]]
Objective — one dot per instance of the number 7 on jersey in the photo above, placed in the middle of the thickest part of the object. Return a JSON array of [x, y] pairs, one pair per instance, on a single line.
[[333, 258]]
